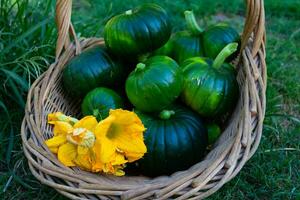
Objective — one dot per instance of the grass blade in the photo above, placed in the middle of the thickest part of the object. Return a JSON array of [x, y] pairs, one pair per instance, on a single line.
[[18, 98], [26, 34], [24, 184], [10, 146], [18, 79], [7, 184], [290, 117], [2, 105]]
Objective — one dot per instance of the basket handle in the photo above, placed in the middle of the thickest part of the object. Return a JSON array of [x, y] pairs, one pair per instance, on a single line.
[[254, 26], [65, 27]]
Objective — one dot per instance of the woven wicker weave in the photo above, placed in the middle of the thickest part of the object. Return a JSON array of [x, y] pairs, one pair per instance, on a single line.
[[236, 145]]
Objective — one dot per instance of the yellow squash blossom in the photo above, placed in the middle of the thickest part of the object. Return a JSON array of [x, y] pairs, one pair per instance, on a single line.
[[120, 133], [98, 147], [73, 143]]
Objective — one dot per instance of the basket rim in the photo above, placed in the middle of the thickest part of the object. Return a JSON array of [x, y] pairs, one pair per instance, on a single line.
[[229, 166]]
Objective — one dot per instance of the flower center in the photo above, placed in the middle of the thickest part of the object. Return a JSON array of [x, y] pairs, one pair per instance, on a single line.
[[82, 137], [114, 131]]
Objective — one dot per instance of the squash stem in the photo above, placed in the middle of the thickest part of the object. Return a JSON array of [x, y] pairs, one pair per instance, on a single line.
[[192, 24], [224, 54], [140, 67], [97, 114], [166, 114]]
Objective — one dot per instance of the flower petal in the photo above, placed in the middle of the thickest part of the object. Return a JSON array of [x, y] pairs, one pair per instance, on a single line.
[[83, 161], [131, 157], [136, 131], [102, 127], [129, 144], [53, 117], [54, 150], [118, 170], [97, 166], [131, 139], [62, 128], [104, 149], [88, 122], [56, 141], [108, 168], [59, 116], [124, 116], [82, 150], [119, 159], [66, 154]]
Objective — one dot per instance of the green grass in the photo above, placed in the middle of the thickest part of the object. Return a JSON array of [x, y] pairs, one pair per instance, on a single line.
[[27, 41]]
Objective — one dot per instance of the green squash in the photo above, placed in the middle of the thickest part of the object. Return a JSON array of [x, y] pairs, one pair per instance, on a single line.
[[99, 101], [175, 139], [214, 132], [92, 68], [138, 31], [216, 37], [211, 88], [154, 84], [184, 44], [165, 50], [196, 42]]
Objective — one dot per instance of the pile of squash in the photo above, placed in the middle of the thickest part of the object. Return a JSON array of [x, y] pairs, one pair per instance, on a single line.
[[180, 85]]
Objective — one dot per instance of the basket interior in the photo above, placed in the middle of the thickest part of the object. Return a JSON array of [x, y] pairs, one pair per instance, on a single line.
[[58, 100]]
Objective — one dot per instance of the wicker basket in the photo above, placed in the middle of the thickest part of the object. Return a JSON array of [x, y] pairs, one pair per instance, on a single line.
[[236, 145]]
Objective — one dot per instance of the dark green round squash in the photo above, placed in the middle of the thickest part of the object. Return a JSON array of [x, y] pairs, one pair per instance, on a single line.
[[216, 37], [92, 68], [138, 31], [154, 84], [195, 42], [210, 86], [165, 50], [214, 132], [184, 44], [175, 139], [99, 101]]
